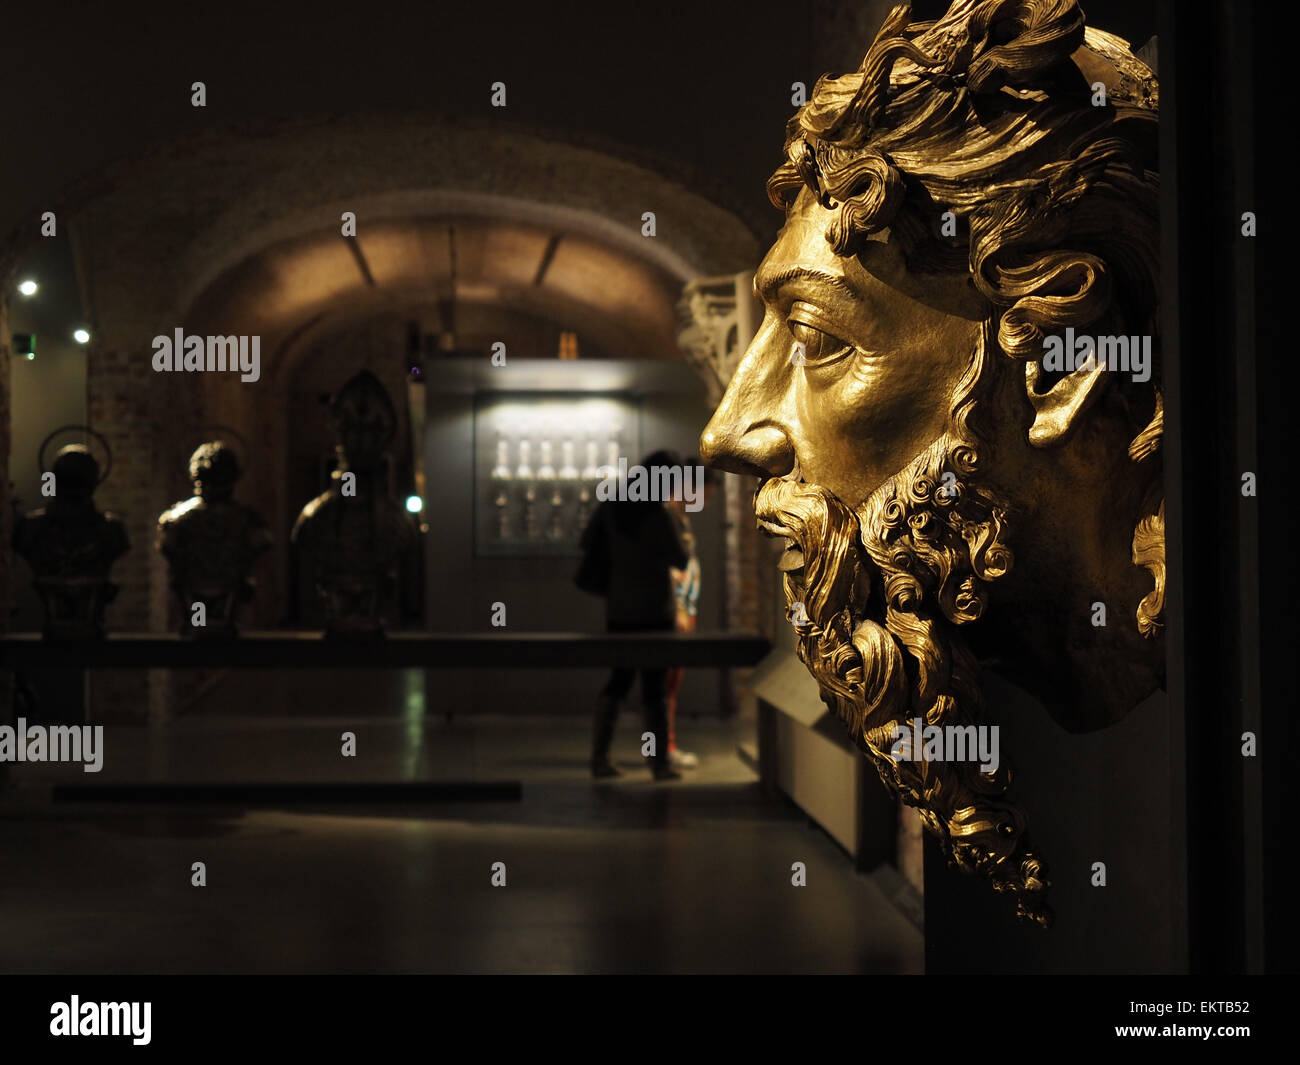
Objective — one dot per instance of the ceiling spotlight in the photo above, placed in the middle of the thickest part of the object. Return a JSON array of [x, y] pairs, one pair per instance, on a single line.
[[81, 336], [28, 288]]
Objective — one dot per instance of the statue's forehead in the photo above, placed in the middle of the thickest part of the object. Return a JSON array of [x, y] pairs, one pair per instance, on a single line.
[[879, 271], [804, 231], [801, 243]]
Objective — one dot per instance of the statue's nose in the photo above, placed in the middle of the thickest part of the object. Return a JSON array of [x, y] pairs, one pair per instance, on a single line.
[[747, 433], [753, 450]]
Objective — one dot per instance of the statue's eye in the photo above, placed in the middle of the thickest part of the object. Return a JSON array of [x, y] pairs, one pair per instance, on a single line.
[[818, 346]]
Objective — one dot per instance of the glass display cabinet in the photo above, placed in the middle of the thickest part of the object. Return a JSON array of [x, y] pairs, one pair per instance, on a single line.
[[538, 460]]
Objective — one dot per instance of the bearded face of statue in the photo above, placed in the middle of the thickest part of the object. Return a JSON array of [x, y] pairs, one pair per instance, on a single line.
[[850, 400], [952, 208]]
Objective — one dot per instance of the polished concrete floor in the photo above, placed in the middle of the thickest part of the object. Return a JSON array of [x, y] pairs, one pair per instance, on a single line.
[[600, 877]]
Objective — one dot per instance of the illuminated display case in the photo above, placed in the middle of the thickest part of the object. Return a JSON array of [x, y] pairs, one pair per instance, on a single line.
[[538, 458]]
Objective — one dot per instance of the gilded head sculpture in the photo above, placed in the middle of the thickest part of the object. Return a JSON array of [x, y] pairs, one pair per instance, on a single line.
[[954, 396]]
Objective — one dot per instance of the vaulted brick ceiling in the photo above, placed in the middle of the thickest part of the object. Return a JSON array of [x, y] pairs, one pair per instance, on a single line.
[[291, 292]]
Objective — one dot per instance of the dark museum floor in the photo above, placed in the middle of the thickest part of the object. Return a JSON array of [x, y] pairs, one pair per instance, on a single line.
[[622, 876]]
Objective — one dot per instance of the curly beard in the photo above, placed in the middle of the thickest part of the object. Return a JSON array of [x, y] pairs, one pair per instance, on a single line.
[[876, 598]]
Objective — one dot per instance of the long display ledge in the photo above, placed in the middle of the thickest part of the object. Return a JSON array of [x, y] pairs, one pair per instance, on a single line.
[[398, 650]]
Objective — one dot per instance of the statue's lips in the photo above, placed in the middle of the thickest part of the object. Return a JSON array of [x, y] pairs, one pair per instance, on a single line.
[[792, 557]]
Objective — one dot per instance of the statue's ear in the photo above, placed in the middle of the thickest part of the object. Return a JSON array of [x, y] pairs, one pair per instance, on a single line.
[[1060, 398]]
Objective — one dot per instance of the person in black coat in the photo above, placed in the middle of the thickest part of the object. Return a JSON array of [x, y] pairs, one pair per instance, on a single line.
[[637, 545]]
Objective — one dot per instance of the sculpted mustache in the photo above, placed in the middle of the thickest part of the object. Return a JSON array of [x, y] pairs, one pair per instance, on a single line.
[[769, 516], [774, 507], [823, 562]]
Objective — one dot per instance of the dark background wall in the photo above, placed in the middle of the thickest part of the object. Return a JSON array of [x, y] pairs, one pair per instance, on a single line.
[[670, 82], [703, 88]]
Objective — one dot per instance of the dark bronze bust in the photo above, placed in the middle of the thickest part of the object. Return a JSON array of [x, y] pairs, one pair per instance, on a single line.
[[210, 543], [353, 536], [71, 546], [950, 482]]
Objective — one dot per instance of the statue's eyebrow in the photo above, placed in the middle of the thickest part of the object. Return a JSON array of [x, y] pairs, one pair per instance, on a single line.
[[767, 285]]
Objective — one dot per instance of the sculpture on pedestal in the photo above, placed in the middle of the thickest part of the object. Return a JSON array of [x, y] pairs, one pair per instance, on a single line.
[[210, 543], [71, 546], [353, 536], [960, 354]]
